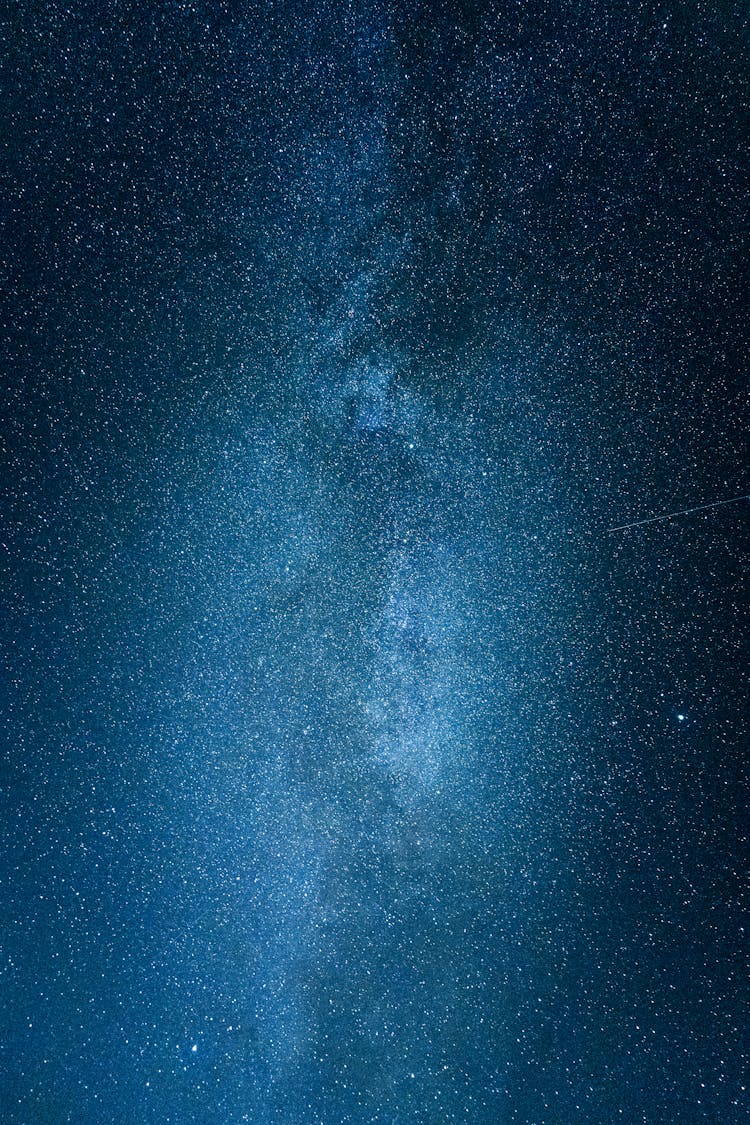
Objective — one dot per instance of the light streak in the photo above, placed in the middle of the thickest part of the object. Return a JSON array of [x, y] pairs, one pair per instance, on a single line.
[[679, 512]]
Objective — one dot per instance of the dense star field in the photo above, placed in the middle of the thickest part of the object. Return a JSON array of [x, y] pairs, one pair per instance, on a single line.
[[353, 769]]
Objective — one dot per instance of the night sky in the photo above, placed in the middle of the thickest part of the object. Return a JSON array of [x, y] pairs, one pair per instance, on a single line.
[[353, 770]]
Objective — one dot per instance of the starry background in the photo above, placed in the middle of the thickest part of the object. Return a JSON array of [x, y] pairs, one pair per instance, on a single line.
[[352, 769]]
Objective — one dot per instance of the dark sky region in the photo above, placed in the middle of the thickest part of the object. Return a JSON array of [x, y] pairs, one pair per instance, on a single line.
[[353, 771]]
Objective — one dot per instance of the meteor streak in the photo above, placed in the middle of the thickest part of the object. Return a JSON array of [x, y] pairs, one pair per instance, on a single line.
[[680, 512]]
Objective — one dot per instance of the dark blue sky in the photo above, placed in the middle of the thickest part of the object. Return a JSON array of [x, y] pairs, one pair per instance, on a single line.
[[353, 771]]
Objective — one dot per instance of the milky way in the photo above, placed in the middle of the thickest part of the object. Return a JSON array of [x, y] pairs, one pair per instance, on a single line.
[[353, 769]]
